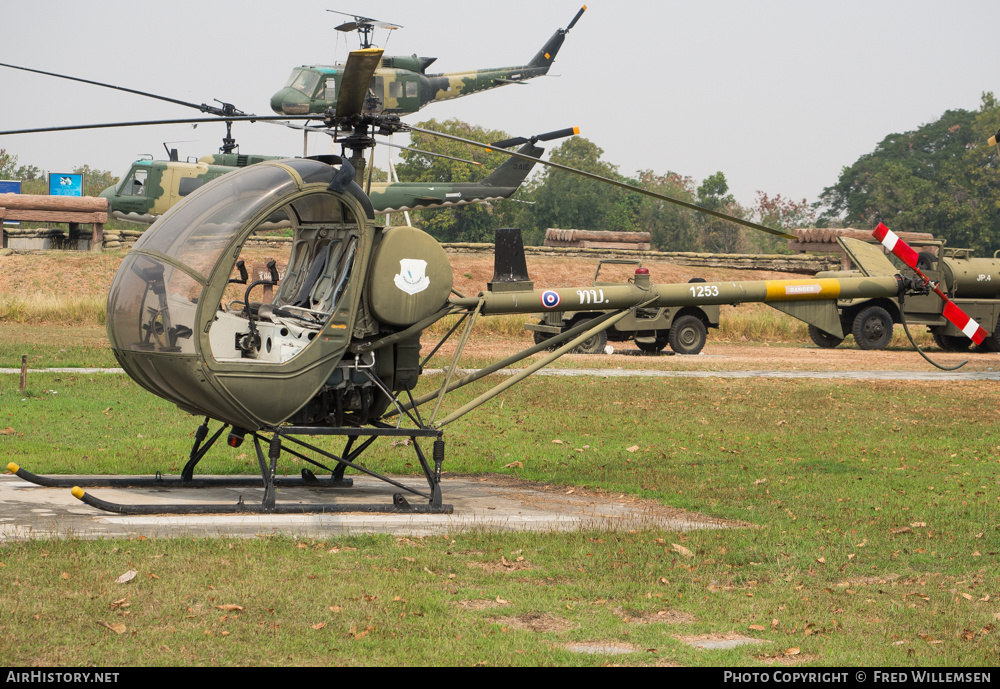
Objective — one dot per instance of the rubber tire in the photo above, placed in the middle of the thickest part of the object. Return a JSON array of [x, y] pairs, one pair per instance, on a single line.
[[953, 343], [541, 337], [873, 328], [991, 343], [688, 335], [823, 339], [594, 345], [654, 347]]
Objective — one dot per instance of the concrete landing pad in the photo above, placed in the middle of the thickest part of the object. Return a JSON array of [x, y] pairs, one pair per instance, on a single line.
[[492, 503]]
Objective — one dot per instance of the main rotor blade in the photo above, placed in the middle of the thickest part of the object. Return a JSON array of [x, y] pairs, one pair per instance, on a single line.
[[428, 153], [202, 107], [361, 66], [144, 123], [613, 182], [332, 133]]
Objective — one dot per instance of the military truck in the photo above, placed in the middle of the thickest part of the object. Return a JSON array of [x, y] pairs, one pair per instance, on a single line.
[[684, 328], [972, 283]]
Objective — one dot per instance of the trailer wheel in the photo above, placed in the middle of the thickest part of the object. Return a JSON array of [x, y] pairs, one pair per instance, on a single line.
[[952, 343], [823, 339], [541, 337], [687, 335], [873, 328], [662, 339]]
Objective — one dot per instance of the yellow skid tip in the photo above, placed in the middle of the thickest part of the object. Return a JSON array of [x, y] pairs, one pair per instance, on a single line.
[[992, 141], [12, 468], [77, 492], [576, 130]]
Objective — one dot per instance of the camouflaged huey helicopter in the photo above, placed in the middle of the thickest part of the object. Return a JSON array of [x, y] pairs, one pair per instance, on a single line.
[[400, 84], [151, 187], [336, 349]]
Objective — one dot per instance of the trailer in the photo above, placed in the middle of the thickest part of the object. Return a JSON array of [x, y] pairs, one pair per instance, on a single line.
[[684, 328]]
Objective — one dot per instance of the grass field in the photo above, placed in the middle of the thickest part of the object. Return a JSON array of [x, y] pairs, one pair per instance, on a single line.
[[874, 536]]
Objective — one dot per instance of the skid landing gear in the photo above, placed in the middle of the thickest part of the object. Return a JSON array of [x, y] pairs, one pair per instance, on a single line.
[[283, 439]]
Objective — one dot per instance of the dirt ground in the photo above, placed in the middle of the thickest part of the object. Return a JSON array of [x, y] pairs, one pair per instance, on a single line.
[[747, 356], [78, 273]]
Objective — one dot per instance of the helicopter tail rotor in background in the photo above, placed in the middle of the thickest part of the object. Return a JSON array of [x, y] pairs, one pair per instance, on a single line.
[[549, 136]]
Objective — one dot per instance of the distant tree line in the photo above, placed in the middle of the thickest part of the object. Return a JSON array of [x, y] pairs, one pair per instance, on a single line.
[[555, 198], [35, 180], [941, 178]]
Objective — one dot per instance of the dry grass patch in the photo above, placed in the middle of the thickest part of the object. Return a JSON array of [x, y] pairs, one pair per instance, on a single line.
[[790, 656], [656, 617], [504, 565], [536, 622], [602, 647], [480, 604]]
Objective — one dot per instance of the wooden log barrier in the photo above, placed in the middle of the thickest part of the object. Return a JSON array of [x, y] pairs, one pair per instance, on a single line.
[[74, 210]]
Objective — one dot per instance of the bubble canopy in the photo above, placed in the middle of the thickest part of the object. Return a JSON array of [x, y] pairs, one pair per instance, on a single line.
[[184, 328]]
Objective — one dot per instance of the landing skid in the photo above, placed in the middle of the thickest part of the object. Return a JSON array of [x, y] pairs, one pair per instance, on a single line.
[[283, 439]]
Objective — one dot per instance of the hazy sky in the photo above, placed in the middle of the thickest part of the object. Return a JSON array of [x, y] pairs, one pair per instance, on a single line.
[[779, 95]]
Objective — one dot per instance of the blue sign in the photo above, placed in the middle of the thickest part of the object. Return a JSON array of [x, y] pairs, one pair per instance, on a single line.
[[65, 184], [10, 186]]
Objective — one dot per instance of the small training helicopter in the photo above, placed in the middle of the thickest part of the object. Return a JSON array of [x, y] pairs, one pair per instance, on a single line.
[[400, 85], [335, 350]]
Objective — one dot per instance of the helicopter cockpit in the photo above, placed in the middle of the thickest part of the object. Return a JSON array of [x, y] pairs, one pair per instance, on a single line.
[[186, 329]]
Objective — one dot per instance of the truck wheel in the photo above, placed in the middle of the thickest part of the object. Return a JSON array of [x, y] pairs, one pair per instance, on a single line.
[[952, 343], [823, 339], [873, 328], [541, 337], [595, 345], [653, 347], [687, 335], [992, 342]]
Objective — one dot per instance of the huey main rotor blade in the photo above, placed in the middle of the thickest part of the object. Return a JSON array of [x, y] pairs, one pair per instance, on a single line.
[[613, 182], [227, 110], [144, 123], [331, 133]]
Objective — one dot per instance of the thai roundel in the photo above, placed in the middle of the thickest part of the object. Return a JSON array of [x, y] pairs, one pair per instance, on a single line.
[[550, 299]]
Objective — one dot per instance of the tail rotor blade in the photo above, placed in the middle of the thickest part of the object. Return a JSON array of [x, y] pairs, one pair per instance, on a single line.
[[548, 136], [576, 18], [952, 313]]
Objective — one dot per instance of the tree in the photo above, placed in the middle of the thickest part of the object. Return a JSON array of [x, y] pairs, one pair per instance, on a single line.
[[570, 201], [469, 223], [940, 178], [672, 227], [718, 235], [95, 181], [9, 169], [779, 213]]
